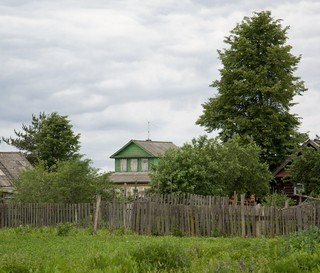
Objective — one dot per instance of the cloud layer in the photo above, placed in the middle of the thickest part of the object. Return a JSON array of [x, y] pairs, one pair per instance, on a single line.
[[114, 66]]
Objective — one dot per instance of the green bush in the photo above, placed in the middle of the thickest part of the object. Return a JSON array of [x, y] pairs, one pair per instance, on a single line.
[[276, 200], [161, 255], [307, 240], [64, 229]]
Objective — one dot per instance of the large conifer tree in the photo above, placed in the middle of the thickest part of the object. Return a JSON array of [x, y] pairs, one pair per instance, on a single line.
[[256, 88], [49, 138]]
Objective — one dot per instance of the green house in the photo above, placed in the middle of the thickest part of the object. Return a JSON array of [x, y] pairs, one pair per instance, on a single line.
[[133, 163]]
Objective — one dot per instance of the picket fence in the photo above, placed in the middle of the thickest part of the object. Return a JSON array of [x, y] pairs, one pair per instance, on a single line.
[[207, 216], [15, 214], [185, 215]]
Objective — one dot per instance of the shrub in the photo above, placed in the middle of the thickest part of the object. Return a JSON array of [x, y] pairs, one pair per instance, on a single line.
[[163, 255], [64, 229], [276, 200], [306, 240]]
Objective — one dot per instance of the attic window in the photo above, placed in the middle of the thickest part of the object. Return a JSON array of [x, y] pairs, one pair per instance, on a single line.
[[134, 165], [1, 172], [123, 165], [144, 164]]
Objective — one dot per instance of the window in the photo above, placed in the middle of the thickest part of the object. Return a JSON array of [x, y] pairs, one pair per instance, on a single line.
[[123, 165], [144, 164], [134, 165]]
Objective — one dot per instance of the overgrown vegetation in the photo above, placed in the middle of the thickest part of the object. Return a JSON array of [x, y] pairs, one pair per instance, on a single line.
[[305, 169], [26, 249], [71, 181], [208, 167]]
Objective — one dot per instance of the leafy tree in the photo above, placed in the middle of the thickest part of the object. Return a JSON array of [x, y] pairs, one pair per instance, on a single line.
[[256, 89], [49, 138], [71, 181], [305, 169], [208, 167]]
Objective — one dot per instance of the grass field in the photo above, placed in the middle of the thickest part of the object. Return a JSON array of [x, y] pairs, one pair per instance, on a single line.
[[67, 249]]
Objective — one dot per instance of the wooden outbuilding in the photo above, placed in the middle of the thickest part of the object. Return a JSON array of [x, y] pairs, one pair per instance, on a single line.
[[11, 165], [282, 178]]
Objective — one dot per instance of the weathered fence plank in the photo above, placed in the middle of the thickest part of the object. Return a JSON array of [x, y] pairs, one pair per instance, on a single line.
[[190, 215]]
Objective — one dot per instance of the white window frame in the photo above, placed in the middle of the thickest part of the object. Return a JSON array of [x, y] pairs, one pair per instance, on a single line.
[[123, 165], [134, 165], [144, 164]]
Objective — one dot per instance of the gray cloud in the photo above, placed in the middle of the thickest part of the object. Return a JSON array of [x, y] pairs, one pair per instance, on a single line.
[[112, 66]]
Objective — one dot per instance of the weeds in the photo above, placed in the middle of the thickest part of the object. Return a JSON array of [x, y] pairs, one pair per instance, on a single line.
[[27, 249]]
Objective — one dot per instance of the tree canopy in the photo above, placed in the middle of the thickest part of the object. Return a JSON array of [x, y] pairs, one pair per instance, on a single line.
[[207, 167], [305, 169], [71, 181], [49, 138], [256, 89]]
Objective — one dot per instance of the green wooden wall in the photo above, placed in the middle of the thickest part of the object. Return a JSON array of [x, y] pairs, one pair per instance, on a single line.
[[151, 161], [132, 151]]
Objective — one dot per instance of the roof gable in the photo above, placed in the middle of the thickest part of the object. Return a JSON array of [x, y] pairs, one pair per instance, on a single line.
[[143, 148], [279, 172], [11, 165]]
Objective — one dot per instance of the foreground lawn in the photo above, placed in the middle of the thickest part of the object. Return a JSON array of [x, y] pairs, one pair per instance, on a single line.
[[66, 249]]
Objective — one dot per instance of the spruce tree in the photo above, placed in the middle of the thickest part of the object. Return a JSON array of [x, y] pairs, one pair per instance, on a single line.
[[256, 89]]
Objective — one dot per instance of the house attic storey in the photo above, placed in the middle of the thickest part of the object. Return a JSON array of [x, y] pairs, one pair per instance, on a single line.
[[133, 163]]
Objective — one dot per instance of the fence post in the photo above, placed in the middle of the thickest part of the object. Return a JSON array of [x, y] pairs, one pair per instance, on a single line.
[[96, 214], [258, 219], [243, 222], [124, 207], [317, 214]]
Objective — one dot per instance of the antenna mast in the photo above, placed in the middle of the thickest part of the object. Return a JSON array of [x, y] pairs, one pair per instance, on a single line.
[[148, 130]]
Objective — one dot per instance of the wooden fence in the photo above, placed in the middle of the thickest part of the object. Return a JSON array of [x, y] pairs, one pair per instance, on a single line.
[[187, 215], [13, 215], [207, 216]]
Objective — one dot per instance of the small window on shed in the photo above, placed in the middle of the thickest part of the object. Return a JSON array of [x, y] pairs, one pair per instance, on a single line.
[[123, 165], [144, 164]]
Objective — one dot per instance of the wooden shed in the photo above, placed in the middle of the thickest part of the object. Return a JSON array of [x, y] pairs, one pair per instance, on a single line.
[[11, 165]]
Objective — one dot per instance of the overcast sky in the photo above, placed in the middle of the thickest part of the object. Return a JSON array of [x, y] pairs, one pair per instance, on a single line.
[[112, 66]]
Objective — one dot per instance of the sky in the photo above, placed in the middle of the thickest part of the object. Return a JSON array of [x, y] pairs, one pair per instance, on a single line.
[[133, 69]]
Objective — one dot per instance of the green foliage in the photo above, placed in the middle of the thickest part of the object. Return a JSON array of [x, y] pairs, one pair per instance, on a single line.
[[64, 229], [256, 89], [305, 169], [41, 250], [276, 200], [49, 138], [208, 167], [307, 240], [72, 181], [162, 255]]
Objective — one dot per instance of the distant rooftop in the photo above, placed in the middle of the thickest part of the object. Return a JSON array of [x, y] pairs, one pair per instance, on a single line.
[[11, 165], [155, 148]]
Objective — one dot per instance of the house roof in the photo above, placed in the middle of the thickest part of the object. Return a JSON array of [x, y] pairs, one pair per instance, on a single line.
[[279, 172], [154, 148], [130, 177], [11, 165]]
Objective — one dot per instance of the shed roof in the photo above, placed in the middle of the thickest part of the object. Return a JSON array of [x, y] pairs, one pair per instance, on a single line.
[[130, 177], [11, 165], [280, 171], [154, 148]]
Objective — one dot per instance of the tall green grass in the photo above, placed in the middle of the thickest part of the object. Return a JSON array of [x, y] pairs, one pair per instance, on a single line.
[[67, 249]]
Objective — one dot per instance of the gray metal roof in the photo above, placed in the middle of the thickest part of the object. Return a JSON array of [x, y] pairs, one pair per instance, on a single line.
[[130, 177], [156, 148], [11, 165]]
